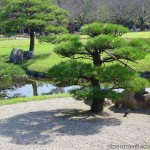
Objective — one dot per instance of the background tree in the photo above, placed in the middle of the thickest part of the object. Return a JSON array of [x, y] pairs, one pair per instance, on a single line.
[[35, 15], [124, 12], [121, 11], [81, 12], [91, 63], [142, 12]]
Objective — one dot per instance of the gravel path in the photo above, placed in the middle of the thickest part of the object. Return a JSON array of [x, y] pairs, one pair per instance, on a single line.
[[64, 124]]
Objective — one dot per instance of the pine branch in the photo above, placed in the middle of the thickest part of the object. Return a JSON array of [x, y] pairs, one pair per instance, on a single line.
[[113, 56]]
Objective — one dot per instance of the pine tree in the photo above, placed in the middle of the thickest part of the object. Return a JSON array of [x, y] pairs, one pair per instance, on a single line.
[[99, 64], [33, 15]]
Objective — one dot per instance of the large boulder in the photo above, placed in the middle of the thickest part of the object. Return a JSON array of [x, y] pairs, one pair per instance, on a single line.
[[135, 100], [30, 54], [18, 55]]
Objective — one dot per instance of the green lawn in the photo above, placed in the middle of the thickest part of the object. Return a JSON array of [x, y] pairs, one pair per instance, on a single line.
[[143, 35], [45, 57], [34, 98]]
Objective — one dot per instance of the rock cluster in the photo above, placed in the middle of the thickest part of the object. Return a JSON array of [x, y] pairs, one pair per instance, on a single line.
[[18, 55]]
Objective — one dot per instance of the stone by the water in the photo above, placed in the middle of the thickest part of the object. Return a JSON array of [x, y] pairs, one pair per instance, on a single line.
[[18, 55]]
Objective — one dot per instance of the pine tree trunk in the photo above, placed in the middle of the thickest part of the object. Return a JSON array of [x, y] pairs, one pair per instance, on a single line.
[[31, 40], [97, 105], [141, 24]]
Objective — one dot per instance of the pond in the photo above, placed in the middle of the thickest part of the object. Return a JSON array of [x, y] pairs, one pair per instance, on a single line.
[[30, 88]]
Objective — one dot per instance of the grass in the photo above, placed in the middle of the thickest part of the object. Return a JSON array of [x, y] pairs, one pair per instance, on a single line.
[[143, 65], [34, 98], [46, 58], [143, 35], [44, 55]]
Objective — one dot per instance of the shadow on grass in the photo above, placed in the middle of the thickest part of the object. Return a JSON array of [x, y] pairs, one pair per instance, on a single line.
[[4, 58], [36, 59], [42, 127]]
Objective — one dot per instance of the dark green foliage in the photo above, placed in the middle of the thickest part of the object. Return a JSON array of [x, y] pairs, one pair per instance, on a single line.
[[8, 72], [132, 53], [103, 42], [98, 28], [140, 44], [17, 14], [69, 48], [70, 72], [121, 77], [107, 56], [89, 92], [93, 29], [35, 15]]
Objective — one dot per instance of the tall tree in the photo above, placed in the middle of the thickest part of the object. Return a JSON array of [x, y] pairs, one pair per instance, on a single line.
[[80, 11], [88, 65], [121, 11], [142, 12], [33, 15]]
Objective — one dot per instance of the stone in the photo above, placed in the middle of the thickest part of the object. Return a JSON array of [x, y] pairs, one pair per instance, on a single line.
[[41, 74], [107, 102], [145, 75], [135, 100], [30, 54], [12, 55], [25, 55], [127, 112], [18, 55]]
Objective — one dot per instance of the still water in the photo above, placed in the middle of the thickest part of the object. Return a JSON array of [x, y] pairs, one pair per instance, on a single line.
[[30, 88], [33, 88]]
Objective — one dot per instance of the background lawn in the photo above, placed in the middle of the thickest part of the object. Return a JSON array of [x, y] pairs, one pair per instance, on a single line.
[[143, 35], [44, 55], [46, 58]]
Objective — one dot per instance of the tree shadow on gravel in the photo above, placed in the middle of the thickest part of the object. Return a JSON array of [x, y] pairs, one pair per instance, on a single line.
[[44, 126]]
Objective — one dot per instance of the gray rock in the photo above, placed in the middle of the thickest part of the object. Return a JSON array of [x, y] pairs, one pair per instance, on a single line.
[[12, 55], [135, 100], [145, 75], [25, 55], [41, 74], [30, 54], [18, 55]]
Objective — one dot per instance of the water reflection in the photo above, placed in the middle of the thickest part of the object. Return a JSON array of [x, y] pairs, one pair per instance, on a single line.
[[28, 88], [31, 88]]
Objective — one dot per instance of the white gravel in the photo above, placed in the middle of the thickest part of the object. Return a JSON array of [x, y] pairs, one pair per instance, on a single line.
[[62, 124]]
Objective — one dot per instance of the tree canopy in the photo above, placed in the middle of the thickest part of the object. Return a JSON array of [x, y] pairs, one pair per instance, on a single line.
[[42, 16], [124, 12], [100, 64]]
